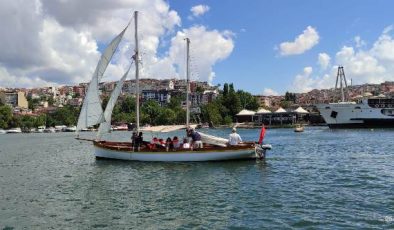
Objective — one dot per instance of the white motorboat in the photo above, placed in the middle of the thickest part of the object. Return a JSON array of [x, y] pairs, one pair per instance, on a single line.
[[50, 130], [2, 131], [40, 129], [71, 129], [299, 128], [14, 130]]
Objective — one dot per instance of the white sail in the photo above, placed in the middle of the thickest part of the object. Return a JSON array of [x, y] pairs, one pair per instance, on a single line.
[[105, 126], [91, 111], [213, 140]]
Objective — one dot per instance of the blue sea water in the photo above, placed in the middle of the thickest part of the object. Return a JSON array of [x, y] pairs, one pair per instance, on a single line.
[[320, 179]]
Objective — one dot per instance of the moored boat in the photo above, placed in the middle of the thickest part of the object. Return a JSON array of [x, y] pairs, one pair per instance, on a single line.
[[71, 129], [14, 130], [366, 113], [299, 128]]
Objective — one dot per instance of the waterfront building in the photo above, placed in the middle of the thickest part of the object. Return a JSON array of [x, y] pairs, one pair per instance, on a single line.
[[14, 99], [161, 96], [245, 116]]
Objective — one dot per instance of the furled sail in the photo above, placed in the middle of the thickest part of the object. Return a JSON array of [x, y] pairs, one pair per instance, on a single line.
[[213, 140], [91, 111], [105, 126]]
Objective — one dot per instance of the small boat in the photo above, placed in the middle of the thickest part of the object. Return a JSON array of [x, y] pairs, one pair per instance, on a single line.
[[40, 129], [60, 128], [299, 128], [71, 129], [122, 127], [50, 130], [14, 130], [2, 131]]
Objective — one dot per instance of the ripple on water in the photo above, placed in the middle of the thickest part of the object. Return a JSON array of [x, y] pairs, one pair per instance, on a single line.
[[313, 180]]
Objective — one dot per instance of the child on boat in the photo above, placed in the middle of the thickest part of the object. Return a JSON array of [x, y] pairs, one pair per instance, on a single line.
[[185, 144]]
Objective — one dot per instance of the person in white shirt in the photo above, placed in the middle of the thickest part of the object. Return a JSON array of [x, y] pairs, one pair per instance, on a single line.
[[234, 138]]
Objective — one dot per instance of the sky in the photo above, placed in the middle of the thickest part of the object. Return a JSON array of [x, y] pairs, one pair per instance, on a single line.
[[266, 47]]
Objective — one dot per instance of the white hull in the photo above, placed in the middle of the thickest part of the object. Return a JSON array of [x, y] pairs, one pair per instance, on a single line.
[[175, 156], [15, 130], [350, 114]]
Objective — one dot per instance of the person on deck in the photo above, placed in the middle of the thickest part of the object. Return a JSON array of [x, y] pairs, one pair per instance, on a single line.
[[169, 144], [234, 138], [185, 144], [176, 143], [133, 139], [196, 139], [139, 141]]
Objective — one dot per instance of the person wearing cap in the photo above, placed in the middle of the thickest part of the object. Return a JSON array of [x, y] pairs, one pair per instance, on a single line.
[[196, 139], [234, 137]]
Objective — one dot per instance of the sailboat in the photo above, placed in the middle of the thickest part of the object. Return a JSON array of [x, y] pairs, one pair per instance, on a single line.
[[215, 148]]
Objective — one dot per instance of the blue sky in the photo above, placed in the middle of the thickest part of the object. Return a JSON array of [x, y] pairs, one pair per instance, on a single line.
[[260, 26]]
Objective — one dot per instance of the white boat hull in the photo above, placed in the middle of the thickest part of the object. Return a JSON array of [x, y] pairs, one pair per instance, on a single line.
[[175, 156]]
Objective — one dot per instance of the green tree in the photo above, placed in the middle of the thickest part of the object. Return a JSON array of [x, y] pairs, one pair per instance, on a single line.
[[166, 116], [175, 102], [225, 89], [128, 104], [5, 116], [151, 109], [247, 100], [26, 122], [66, 115], [211, 113], [40, 120]]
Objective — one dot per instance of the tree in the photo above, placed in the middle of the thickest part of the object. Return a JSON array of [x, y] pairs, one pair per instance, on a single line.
[[225, 89], [211, 113], [247, 100], [152, 109], [175, 102], [128, 104], [165, 117], [40, 120], [27, 122], [5, 116], [66, 115]]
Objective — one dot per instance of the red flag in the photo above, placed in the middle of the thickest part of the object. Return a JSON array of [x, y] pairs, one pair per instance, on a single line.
[[262, 134]]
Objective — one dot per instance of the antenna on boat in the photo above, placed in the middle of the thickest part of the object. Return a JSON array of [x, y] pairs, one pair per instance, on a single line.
[[342, 79], [136, 59], [187, 82]]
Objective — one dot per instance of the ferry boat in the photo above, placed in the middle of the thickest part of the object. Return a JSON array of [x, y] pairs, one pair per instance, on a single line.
[[367, 113]]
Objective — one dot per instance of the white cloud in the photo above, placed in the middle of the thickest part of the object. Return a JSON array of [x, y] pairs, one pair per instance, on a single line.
[[324, 60], [303, 42], [59, 42], [199, 10], [374, 65], [207, 48], [305, 81], [359, 42], [270, 92]]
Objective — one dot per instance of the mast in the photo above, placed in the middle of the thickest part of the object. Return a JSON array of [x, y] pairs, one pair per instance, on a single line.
[[342, 81], [187, 82], [136, 59]]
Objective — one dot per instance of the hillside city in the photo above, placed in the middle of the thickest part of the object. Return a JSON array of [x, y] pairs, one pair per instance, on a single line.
[[46, 99]]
